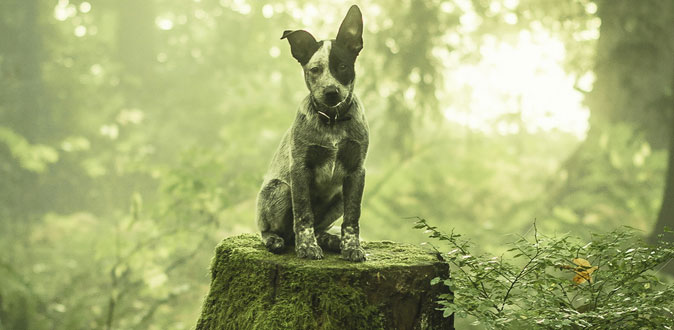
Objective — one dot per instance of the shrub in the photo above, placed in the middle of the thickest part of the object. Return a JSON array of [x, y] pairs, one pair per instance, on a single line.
[[559, 282]]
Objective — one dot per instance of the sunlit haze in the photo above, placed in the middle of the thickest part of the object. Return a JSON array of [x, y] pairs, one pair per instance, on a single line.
[[524, 79]]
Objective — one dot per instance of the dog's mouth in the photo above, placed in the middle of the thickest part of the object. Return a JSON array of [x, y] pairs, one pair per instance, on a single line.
[[336, 105], [329, 102]]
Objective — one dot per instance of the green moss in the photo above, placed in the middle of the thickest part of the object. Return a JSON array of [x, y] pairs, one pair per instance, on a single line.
[[254, 289], [379, 254]]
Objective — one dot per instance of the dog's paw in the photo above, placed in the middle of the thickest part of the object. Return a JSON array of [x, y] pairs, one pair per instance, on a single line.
[[355, 254], [307, 251], [274, 244], [329, 242]]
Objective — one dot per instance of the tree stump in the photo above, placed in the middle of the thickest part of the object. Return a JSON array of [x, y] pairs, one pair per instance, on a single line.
[[252, 288]]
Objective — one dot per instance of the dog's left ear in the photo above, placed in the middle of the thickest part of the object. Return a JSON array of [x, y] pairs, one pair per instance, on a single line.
[[351, 31]]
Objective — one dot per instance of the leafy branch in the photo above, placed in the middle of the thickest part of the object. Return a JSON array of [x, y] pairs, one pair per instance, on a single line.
[[561, 282]]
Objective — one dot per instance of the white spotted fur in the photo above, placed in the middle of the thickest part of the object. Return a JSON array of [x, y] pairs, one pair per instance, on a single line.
[[317, 85]]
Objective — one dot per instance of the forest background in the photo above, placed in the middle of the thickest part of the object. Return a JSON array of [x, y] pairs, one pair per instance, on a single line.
[[134, 135]]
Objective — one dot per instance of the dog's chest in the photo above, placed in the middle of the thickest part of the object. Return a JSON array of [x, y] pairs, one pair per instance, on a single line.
[[325, 165]]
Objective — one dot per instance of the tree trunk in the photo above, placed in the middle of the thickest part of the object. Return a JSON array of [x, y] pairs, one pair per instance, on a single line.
[[25, 109], [635, 62], [666, 215], [254, 289], [23, 92], [634, 65]]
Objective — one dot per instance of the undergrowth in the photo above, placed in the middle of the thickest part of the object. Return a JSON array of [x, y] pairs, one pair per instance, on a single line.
[[549, 282]]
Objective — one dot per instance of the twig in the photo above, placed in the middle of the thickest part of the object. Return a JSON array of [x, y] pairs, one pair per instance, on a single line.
[[522, 272]]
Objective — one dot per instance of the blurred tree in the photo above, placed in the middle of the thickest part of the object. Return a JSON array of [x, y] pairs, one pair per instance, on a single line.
[[23, 107], [635, 75], [26, 108], [613, 175], [635, 67], [402, 68], [666, 214]]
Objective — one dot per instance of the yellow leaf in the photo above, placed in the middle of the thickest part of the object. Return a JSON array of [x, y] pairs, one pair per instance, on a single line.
[[583, 271], [581, 277], [584, 275]]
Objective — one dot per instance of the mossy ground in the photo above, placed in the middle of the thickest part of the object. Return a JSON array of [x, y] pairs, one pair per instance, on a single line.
[[254, 289]]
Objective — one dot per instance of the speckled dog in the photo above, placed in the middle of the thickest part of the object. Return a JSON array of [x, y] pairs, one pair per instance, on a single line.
[[317, 173]]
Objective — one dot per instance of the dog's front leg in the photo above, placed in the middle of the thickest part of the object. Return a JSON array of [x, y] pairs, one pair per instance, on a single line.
[[303, 217], [353, 194]]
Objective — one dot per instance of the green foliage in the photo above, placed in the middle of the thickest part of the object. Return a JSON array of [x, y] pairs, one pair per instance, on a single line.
[[448, 176], [134, 135], [559, 282], [31, 157], [614, 178], [120, 273], [20, 305]]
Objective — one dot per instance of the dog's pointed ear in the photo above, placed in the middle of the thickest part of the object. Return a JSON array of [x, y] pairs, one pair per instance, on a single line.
[[302, 44], [351, 31]]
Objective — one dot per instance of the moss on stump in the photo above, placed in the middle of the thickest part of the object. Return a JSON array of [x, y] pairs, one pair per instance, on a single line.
[[255, 289]]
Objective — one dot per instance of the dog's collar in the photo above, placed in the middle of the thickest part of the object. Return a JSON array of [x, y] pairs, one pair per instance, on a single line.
[[325, 116]]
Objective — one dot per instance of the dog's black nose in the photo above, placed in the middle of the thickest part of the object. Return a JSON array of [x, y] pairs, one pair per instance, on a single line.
[[331, 95]]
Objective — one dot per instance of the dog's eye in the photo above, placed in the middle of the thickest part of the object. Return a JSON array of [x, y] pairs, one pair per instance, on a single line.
[[341, 67], [315, 70]]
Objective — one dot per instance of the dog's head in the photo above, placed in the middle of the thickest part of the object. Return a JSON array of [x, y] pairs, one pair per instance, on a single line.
[[329, 64]]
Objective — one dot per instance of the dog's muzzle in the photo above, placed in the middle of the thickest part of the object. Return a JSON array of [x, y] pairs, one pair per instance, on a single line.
[[331, 97]]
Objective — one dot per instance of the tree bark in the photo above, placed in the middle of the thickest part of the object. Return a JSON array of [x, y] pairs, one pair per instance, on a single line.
[[634, 62], [666, 215], [23, 92], [255, 289], [24, 108]]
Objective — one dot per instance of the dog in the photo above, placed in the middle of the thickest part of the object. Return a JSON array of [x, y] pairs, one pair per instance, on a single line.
[[316, 175]]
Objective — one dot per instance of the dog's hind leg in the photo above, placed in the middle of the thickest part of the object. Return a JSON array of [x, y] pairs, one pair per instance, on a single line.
[[274, 215], [330, 214], [328, 242], [274, 243]]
